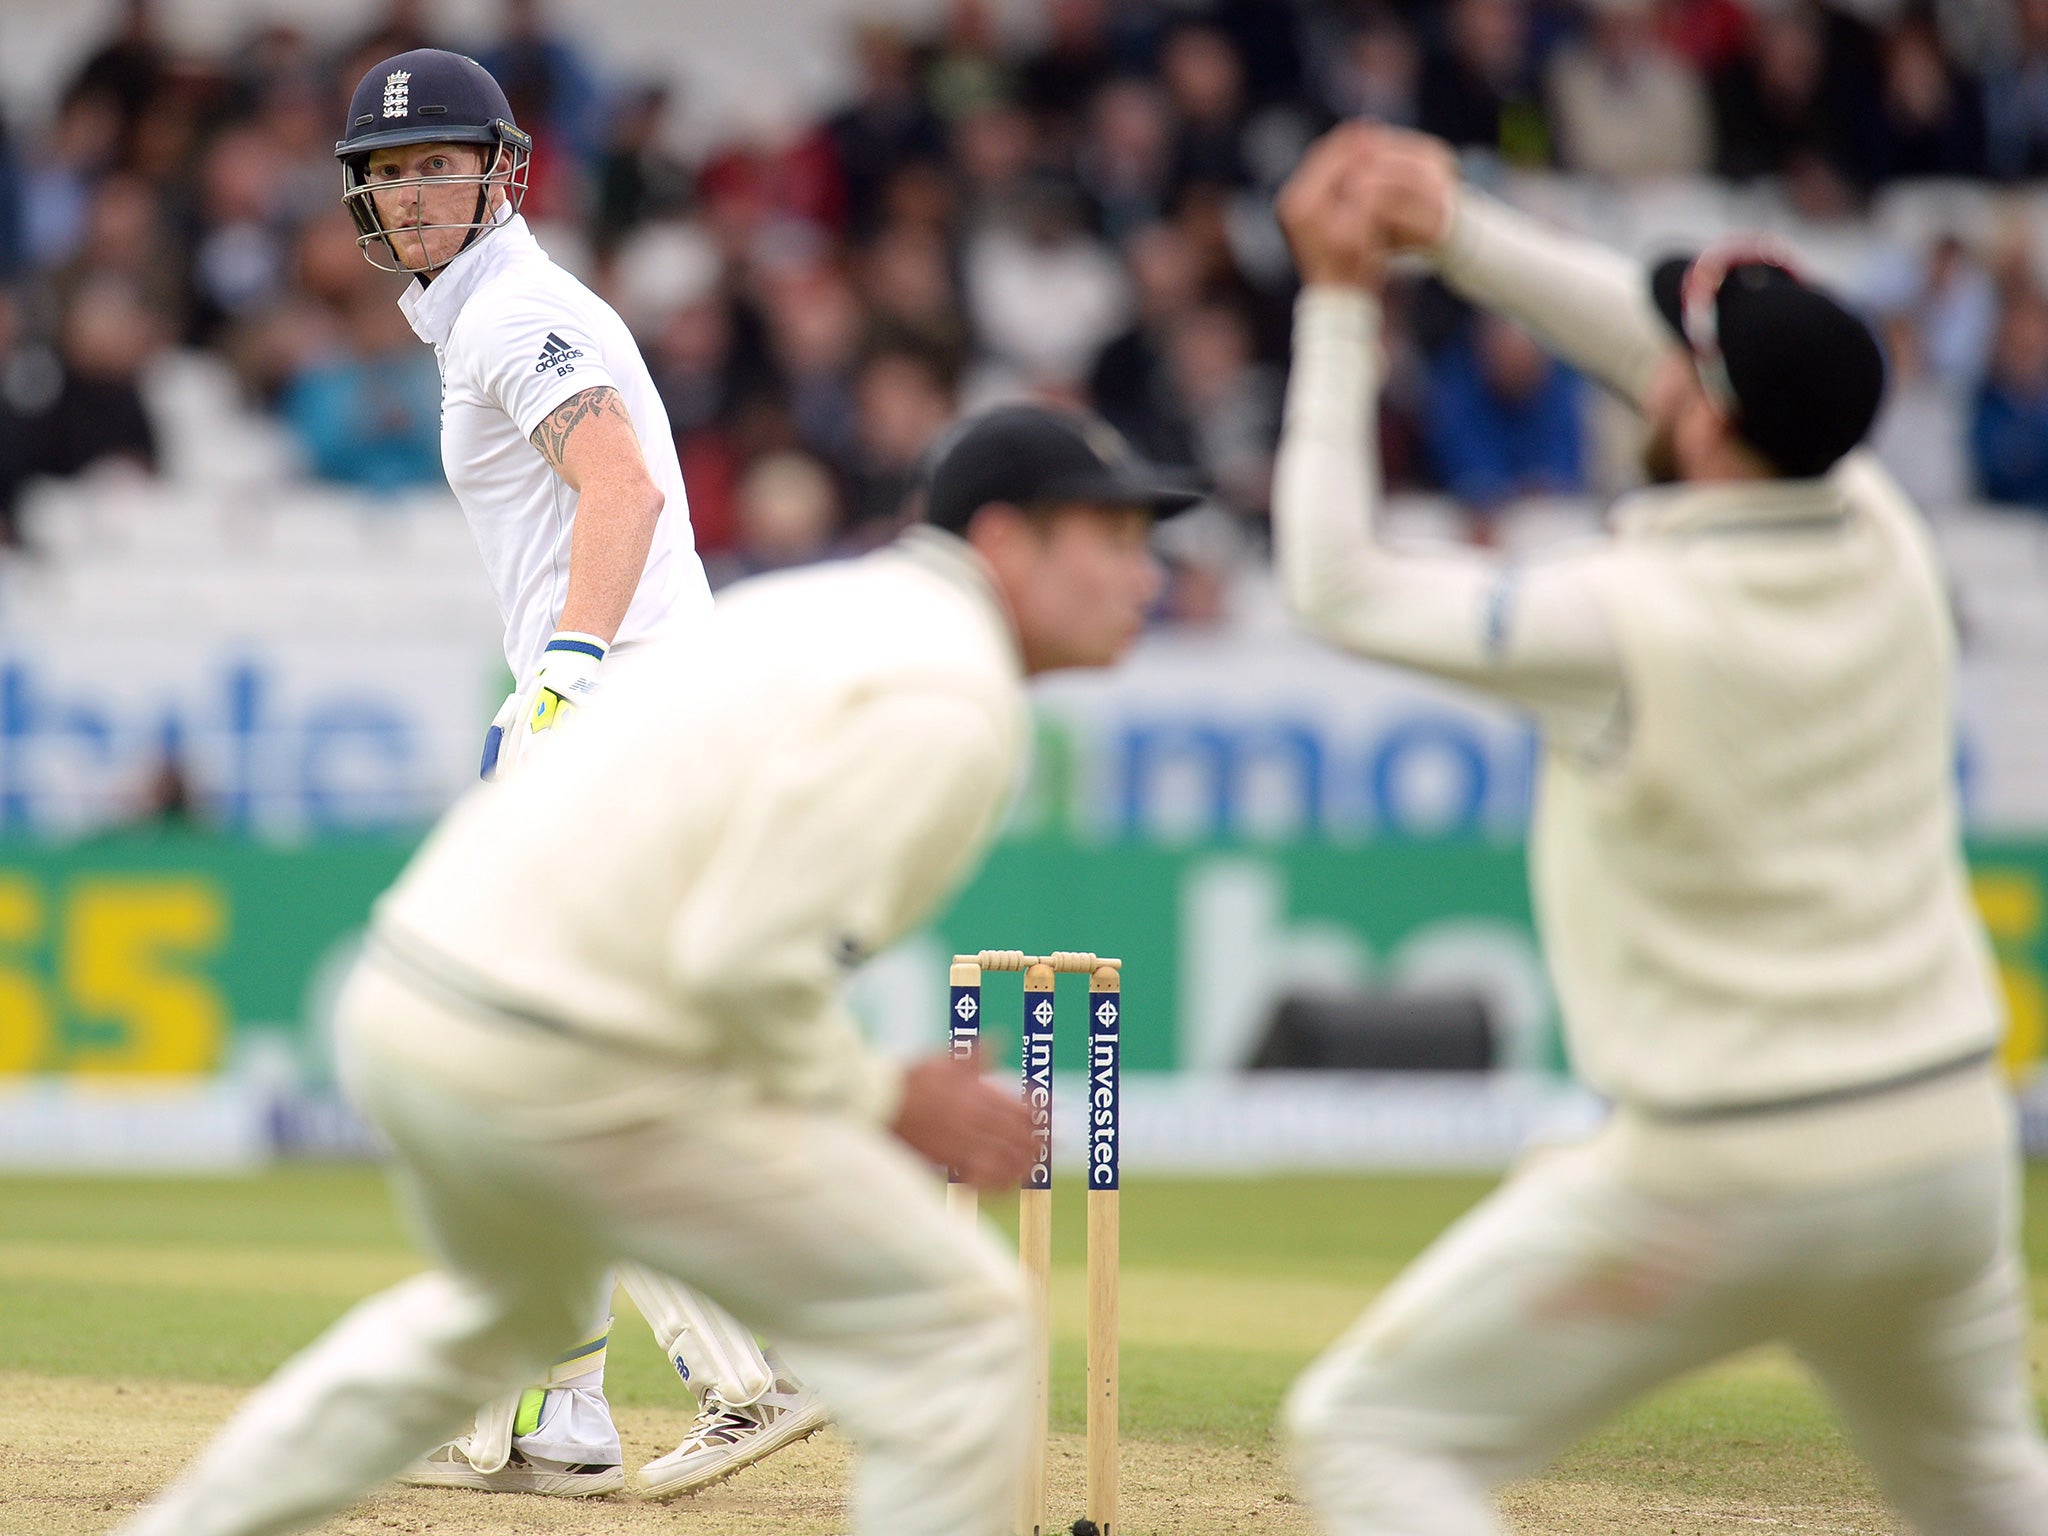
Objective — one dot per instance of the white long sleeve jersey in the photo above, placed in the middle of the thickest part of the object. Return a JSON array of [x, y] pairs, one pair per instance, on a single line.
[[516, 336], [1745, 856], [758, 805]]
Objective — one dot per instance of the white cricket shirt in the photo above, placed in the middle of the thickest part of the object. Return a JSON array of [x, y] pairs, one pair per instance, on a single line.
[[515, 336]]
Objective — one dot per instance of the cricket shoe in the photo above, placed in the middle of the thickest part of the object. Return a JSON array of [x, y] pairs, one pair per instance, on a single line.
[[449, 1467], [724, 1440]]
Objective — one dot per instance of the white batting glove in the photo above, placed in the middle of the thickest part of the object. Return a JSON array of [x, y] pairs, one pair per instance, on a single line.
[[566, 681]]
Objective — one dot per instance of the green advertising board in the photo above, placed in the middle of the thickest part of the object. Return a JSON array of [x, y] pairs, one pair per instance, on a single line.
[[167, 956]]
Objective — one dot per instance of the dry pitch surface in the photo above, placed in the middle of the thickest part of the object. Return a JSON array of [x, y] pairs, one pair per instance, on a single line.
[[79, 1454], [133, 1317]]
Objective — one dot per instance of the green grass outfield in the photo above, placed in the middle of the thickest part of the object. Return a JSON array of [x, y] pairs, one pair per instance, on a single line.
[[1229, 1288]]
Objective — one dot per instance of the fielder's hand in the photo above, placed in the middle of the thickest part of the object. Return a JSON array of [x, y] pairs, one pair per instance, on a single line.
[[1329, 224], [1364, 190], [567, 680], [957, 1119], [1410, 181]]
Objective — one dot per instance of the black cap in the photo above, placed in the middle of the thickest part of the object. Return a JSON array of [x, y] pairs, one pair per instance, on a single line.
[[1807, 374], [1032, 455]]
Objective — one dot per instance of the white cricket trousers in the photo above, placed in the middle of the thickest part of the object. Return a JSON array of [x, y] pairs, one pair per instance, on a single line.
[[531, 1163], [1570, 1291]]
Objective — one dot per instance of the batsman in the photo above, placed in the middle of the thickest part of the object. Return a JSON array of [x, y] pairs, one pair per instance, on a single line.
[[559, 451]]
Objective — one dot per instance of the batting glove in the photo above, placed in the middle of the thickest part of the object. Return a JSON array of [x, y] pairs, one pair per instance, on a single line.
[[567, 680]]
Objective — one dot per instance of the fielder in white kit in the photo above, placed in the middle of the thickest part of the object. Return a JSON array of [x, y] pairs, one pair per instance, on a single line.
[[643, 1052], [558, 448], [1746, 867]]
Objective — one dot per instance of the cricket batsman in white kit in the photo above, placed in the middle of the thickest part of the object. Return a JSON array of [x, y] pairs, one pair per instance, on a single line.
[[642, 1052], [558, 449], [1747, 872]]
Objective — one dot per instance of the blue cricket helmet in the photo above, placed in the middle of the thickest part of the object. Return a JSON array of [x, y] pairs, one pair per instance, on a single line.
[[429, 96]]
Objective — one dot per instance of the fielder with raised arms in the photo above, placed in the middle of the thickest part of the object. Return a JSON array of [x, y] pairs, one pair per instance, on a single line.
[[1746, 865], [560, 453]]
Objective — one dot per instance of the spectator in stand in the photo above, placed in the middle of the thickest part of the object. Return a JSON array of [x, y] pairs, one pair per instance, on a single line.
[[541, 69], [968, 71], [906, 279], [1504, 419], [369, 413], [1624, 104], [1949, 301], [13, 256], [1127, 162], [128, 237], [1267, 40], [1371, 69], [815, 321], [777, 181], [61, 174], [1131, 384], [97, 415], [241, 262], [1058, 82], [28, 381], [128, 70], [788, 514], [694, 358], [2016, 97], [1043, 293], [906, 400], [1478, 84], [1919, 434], [995, 155], [402, 28], [924, 195], [638, 179], [1232, 403], [1204, 81], [1792, 110], [1932, 115], [275, 52], [293, 118], [1709, 35], [887, 126], [2009, 430], [709, 361]]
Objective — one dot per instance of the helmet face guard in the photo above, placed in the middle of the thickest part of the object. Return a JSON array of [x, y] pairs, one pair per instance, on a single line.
[[509, 153]]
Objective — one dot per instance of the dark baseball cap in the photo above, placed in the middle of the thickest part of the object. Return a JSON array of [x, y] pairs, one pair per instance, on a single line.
[[1036, 455], [1807, 374]]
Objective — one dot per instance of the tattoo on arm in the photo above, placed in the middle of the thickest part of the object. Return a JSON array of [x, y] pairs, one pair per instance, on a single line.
[[551, 437]]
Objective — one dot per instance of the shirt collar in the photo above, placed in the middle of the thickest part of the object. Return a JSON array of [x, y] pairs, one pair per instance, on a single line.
[[1670, 511], [952, 558], [433, 307]]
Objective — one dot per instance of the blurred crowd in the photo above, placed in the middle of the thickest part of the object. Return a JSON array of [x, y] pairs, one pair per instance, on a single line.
[[1085, 216]]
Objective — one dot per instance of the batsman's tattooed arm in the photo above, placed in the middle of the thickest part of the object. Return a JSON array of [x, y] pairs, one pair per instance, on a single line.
[[551, 437], [589, 441]]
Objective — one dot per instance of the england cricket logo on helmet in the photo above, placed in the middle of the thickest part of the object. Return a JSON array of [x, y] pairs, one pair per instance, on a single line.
[[429, 96]]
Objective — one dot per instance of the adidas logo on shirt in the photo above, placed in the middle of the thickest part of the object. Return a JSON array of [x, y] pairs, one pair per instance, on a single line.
[[558, 355]]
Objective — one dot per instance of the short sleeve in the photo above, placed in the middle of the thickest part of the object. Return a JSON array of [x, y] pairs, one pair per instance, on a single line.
[[533, 354]]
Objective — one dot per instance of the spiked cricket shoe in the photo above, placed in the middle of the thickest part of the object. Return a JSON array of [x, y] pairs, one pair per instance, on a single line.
[[724, 1440]]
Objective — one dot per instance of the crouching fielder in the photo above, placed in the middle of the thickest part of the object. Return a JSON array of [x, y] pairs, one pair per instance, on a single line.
[[1746, 867], [641, 1053]]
